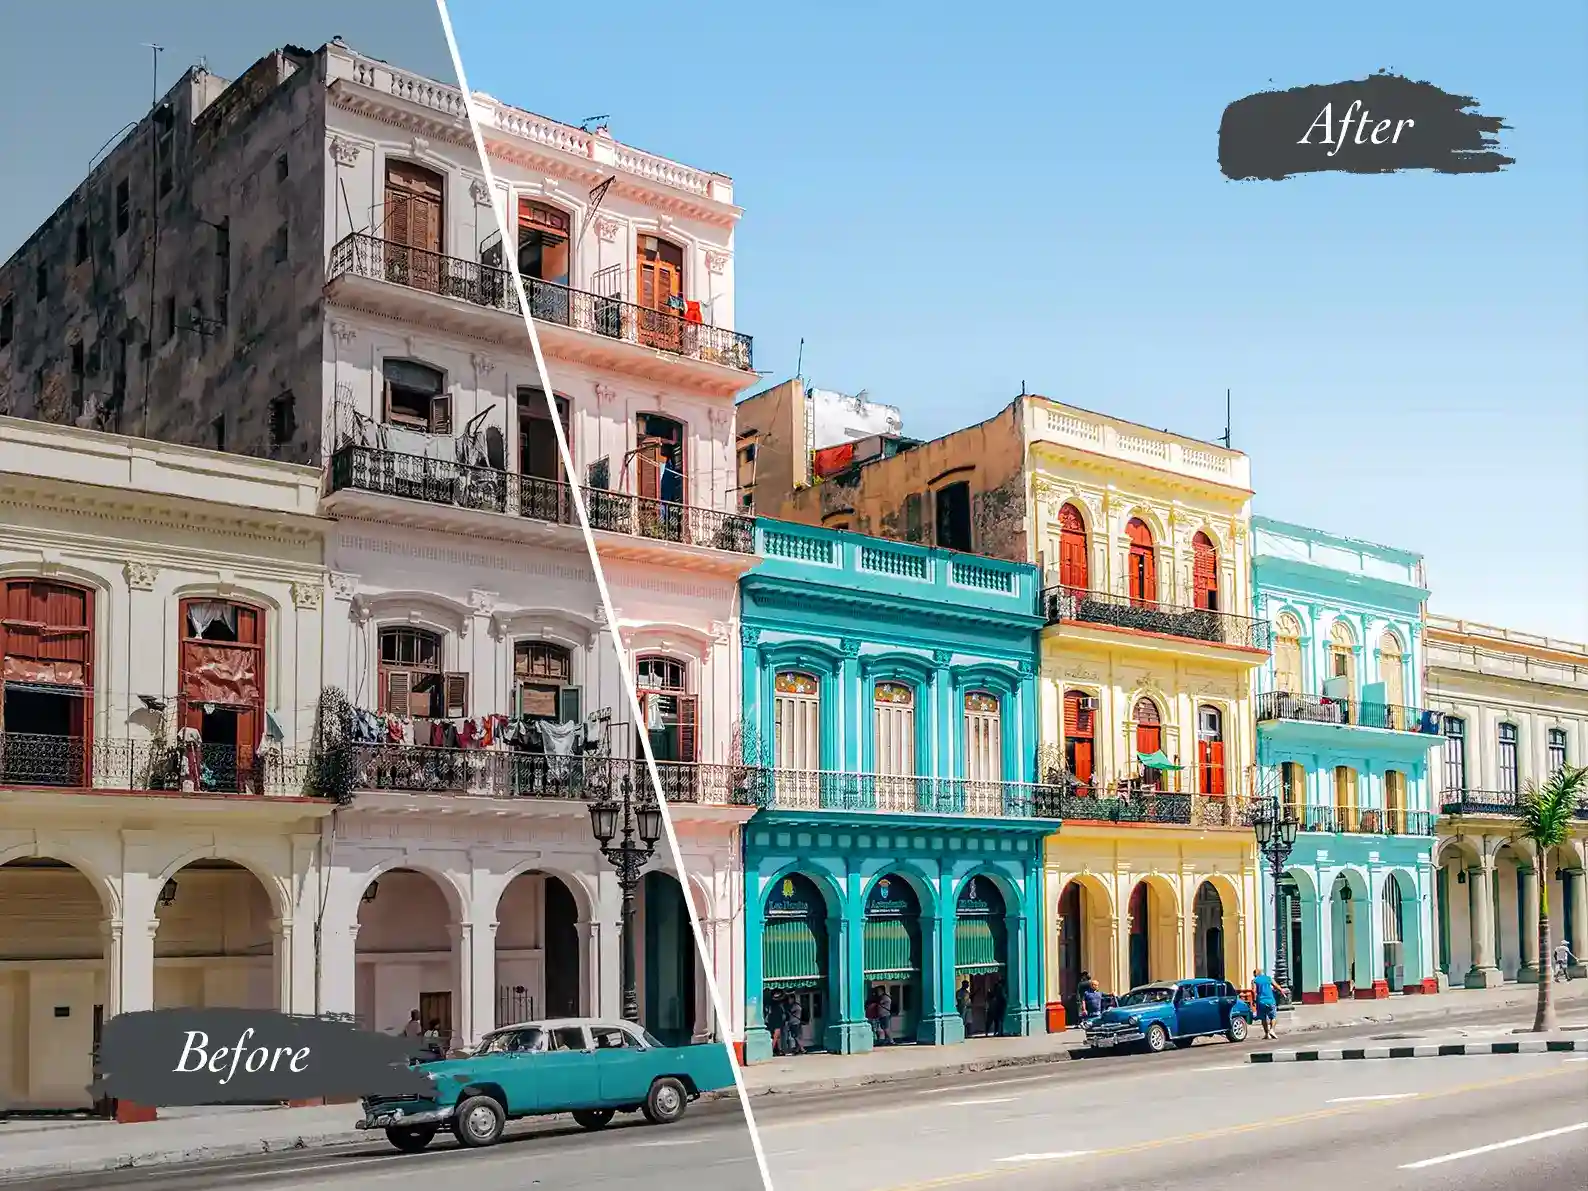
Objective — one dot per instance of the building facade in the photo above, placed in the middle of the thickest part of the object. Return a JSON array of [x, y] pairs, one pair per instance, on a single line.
[[161, 637], [1515, 709], [1343, 742], [890, 716]]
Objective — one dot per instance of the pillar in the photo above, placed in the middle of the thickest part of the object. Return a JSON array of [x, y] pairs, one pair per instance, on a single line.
[[757, 1038], [1480, 892], [338, 992], [1577, 896], [1527, 878], [848, 1031], [937, 1023], [133, 939], [479, 959], [602, 978]]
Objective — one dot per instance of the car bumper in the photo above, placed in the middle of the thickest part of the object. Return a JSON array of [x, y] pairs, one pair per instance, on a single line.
[[1114, 1038], [398, 1117]]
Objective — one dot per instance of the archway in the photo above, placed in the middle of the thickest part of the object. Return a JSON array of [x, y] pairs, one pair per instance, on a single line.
[[1507, 878], [794, 955], [1352, 962], [215, 946], [1453, 895], [981, 955], [669, 976], [1154, 942], [406, 956], [1298, 909], [1209, 940], [537, 950], [1402, 931], [53, 989], [1086, 941], [892, 949]]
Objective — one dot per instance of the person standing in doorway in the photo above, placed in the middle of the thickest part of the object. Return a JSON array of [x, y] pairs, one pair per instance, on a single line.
[[776, 1016], [793, 1026], [997, 1006], [1266, 999], [415, 1028], [962, 1002], [883, 1020]]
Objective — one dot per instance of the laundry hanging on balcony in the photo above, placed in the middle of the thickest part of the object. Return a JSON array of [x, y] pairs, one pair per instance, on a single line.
[[1157, 760]]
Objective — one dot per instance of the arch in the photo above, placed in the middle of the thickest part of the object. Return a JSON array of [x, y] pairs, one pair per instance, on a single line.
[[922, 885], [104, 889], [1298, 900], [545, 253], [1288, 677], [1149, 519], [540, 968], [1351, 964], [1402, 930], [1152, 921], [278, 888], [1342, 633], [1204, 572], [672, 975], [898, 913], [1082, 917], [527, 622], [984, 958], [1208, 936], [1147, 718], [802, 958], [420, 608], [218, 942], [669, 638], [1141, 563], [408, 957], [1074, 563], [832, 895], [357, 884], [578, 885]]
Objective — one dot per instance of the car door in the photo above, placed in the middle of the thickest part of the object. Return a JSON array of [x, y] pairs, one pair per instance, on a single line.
[[564, 1075], [509, 1061], [1198, 1009], [623, 1066]]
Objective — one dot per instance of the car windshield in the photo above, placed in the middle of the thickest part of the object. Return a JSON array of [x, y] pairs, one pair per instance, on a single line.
[[1146, 996], [510, 1041]]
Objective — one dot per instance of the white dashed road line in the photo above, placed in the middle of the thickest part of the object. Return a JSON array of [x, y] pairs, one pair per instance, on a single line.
[[1360, 1099], [1045, 1157], [1499, 1145]]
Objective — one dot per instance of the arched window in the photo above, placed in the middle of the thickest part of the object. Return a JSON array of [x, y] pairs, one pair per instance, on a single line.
[[1392, 670], [797, 721], [1072, 549], [659, 292], [1149, 737], [543, 682], [672, 714], [1345, 803], [1293, 788], [1287, 655], [1455, 754], [414, 225], [1555, 751], [1342, 657], [1210, 751], [413, 683], [893, 729], [984, 750], [1507, 758], [47, 663], [1142, 563], [223, 686], [543, 235], [1080, 737], [1204, 573], [1394, 802], [659, 467]]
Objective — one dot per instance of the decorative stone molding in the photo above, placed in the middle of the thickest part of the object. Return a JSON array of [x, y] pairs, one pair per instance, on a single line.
[[140, 575], [607, 229], [306, 596], [343, 152], [343, 333], [1027, 667], [605, 394], [719, 632], [482, 601], [749, 635], [480, 193], [719, 417], [942, 657], [483, 364], [716, 262], [419, 146], [343, 585], [850, 647]]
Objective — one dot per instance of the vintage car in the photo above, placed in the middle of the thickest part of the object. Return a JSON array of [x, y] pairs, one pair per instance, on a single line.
[[1175, 1012], [592, 1069]]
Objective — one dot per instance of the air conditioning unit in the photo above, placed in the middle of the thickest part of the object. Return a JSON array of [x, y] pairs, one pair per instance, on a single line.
[[1088, 703]]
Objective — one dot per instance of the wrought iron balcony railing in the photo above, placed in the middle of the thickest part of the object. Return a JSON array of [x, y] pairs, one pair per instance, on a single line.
[[1154, 616], [1320, 709], [1147, 804], [363, 255], [504, 773], [1491, 802], [72, 763], [812, 790], [1364, 820], [485, 489]]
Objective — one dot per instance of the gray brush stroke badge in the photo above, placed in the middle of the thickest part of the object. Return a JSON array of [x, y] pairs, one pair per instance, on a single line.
[[169, 1058]]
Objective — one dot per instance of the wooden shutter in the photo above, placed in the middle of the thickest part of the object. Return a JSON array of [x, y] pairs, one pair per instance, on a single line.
[[456, 696], [441, 414], [648, 469], [1072, 549], [395, 689], [1210, 760], [688, 727], [1204, 572], [1143, 563], [568, 709], [1077, 720], [1081, 749], [1149, 731]]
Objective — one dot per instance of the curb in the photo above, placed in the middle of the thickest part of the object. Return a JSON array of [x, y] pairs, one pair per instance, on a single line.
[[1537, 1046], [175, 1157]]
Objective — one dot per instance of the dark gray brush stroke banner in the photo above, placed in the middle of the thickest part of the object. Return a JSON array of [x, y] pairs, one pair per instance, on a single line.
[[170, 1058], [1382, 124]]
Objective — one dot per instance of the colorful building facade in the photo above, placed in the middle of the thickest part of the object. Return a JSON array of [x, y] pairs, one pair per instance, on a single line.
[[1343, 742], [890, 714]]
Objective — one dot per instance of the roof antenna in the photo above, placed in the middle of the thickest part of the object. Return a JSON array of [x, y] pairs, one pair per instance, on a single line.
[[1023, 388], [799, 364], [596, 120], [1226, 438]]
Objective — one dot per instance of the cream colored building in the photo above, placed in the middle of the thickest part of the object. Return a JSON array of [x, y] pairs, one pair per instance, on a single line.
[[161, 643]]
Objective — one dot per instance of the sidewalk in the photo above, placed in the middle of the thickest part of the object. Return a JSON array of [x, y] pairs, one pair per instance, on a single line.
[[39, 1147]]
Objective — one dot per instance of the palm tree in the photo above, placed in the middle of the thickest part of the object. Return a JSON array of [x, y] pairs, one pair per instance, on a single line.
[[1547, 813]]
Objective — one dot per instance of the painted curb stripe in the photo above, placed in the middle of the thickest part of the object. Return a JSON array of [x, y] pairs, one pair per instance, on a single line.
[[1531, 1046]]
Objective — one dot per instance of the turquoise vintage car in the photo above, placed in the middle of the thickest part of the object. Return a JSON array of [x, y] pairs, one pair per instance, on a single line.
[[592, 1069], [1177, 1012]]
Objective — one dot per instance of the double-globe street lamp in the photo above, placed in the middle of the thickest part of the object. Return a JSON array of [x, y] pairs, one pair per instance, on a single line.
[[1276, 835], [637, 827]]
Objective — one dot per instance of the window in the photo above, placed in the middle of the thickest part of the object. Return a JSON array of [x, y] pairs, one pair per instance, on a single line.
[[41, 281], [1342, 658], [218, 432], [8, 321], [283, 419], [1210, 751], [416, 396], [672, 715], [913, 531], [797, 706], [543, 682], [1293, 788], [1287, 655], [282, 168], [1555, 751], [1072, 549], [46, 655], [412, 682], [1507, 758], [951, 506], [223, 687], [1204, 573], [748, 453], [79, 371], [414, 222], [281, 245], [659, 292], [1141, 564], [984, 752], [893, 733], [1080, 737], [165, 127], [659, 459], [538, 455], [80, 243], [123, 207], [1394, 802], [1455, 754], [1148, 727], [1344, 798], [543, 245]]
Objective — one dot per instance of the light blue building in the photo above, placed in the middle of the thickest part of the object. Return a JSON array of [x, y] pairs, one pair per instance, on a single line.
[[1344, 743], [890, 710]]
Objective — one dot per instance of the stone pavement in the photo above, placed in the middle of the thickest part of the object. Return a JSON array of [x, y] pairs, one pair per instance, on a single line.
[[40, 1147]]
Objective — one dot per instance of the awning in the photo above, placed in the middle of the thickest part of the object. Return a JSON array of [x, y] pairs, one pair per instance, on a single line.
[[1158, 761]]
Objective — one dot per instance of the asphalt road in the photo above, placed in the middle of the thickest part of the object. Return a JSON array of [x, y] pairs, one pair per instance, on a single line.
[[1196, 1118]]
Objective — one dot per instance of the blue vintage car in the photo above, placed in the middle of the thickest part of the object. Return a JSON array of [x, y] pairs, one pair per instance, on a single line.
[[1172, 1013], [592, 1069]]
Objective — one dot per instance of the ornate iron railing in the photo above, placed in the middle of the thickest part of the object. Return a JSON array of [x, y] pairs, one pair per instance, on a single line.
[[1365, 820], [1502, 803], [1154, 616], [363, 255], [1320, 709], [803, 789], [73, 763], [1146, 804], [485, 489]]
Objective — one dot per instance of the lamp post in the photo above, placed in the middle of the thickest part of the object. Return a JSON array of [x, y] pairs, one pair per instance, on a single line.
[[1276, 836], [637, 828]]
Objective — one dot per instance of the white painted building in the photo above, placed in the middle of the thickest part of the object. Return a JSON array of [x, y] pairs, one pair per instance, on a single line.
[[1515, 708]]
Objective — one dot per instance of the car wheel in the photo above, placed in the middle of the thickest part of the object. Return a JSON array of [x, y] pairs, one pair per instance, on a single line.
[[593, 1118], [1183, 1043], [410, 1139], [1157, 1038], [666, 1101], [1237, 1030], [479, 1122]]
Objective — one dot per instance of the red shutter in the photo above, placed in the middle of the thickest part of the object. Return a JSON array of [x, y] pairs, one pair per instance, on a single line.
[[1143, 563], [1204, 572], [1216, 767], [1082, 750], [688, 727], [1072, 548], [1077, 722]]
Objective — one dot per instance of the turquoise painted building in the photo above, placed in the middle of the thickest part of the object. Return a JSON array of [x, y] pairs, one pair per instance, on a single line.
[[1343, 742], [890, 712]]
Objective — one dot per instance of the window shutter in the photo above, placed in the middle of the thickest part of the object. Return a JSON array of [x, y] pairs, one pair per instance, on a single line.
[[568, 709], [1216, 767], [1083, 762], [441, 415], [395, 692], [688, 713], [456, 696], [1072, 548], [1204, 572]]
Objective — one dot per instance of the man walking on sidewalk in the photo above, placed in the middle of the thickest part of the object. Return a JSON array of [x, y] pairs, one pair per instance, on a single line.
[[1267, 1001]]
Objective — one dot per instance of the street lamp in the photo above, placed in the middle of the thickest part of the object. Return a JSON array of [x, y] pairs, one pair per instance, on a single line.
[[619, 818], [1276, 836]]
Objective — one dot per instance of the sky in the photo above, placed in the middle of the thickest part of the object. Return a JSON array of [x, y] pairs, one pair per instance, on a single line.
[[947, 202]]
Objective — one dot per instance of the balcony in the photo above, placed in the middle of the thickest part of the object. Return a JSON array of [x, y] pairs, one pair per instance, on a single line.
[[471, 298], [71, 763], [832, 790], [1156, 619], [1364, 820], [460, 486], [506, 774], [1135, 803], [1492, 803], [1319, 709]]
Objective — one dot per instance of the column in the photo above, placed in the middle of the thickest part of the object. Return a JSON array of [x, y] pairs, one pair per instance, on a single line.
[[481, 962], [1577, 897], [1527, 877], [602, 980], [338, 991], [937, 1024], [851, 702], [281, 963], [848, 1031], [1372, 975], [757, 1038], [134, 940], [1480, 892], [463, 1008]]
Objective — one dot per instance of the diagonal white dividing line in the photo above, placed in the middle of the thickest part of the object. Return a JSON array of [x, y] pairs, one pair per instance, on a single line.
[[1363, 1099], [1045, 1157], [1499, 1145], [982, 1100]]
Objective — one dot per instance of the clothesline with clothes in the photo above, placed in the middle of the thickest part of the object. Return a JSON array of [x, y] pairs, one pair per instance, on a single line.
[[531, 734]]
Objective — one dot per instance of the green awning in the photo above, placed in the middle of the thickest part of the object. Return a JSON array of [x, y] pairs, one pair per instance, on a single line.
[[891, 949], [791, 954], [1158, 761], [978, 945]]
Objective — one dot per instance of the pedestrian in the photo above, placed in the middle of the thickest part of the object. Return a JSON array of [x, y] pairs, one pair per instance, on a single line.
[[793, 1026], [1265, 995], [883, 1020], [1091, 998], [776, 1016], [997, 1005], [433, 1039], [415, 1028], [1563, 958], [962, 1002]]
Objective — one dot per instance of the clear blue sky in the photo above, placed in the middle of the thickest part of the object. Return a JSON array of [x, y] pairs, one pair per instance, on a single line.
[[945, 201]]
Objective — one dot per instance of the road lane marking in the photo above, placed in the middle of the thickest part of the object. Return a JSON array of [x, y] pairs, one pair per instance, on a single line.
[[1364, 1099], [1046, 1157], [1579, 1059], [682, 1141], [977, 1176], [983, 1100], [1220, 1067], [1499, 1145]]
